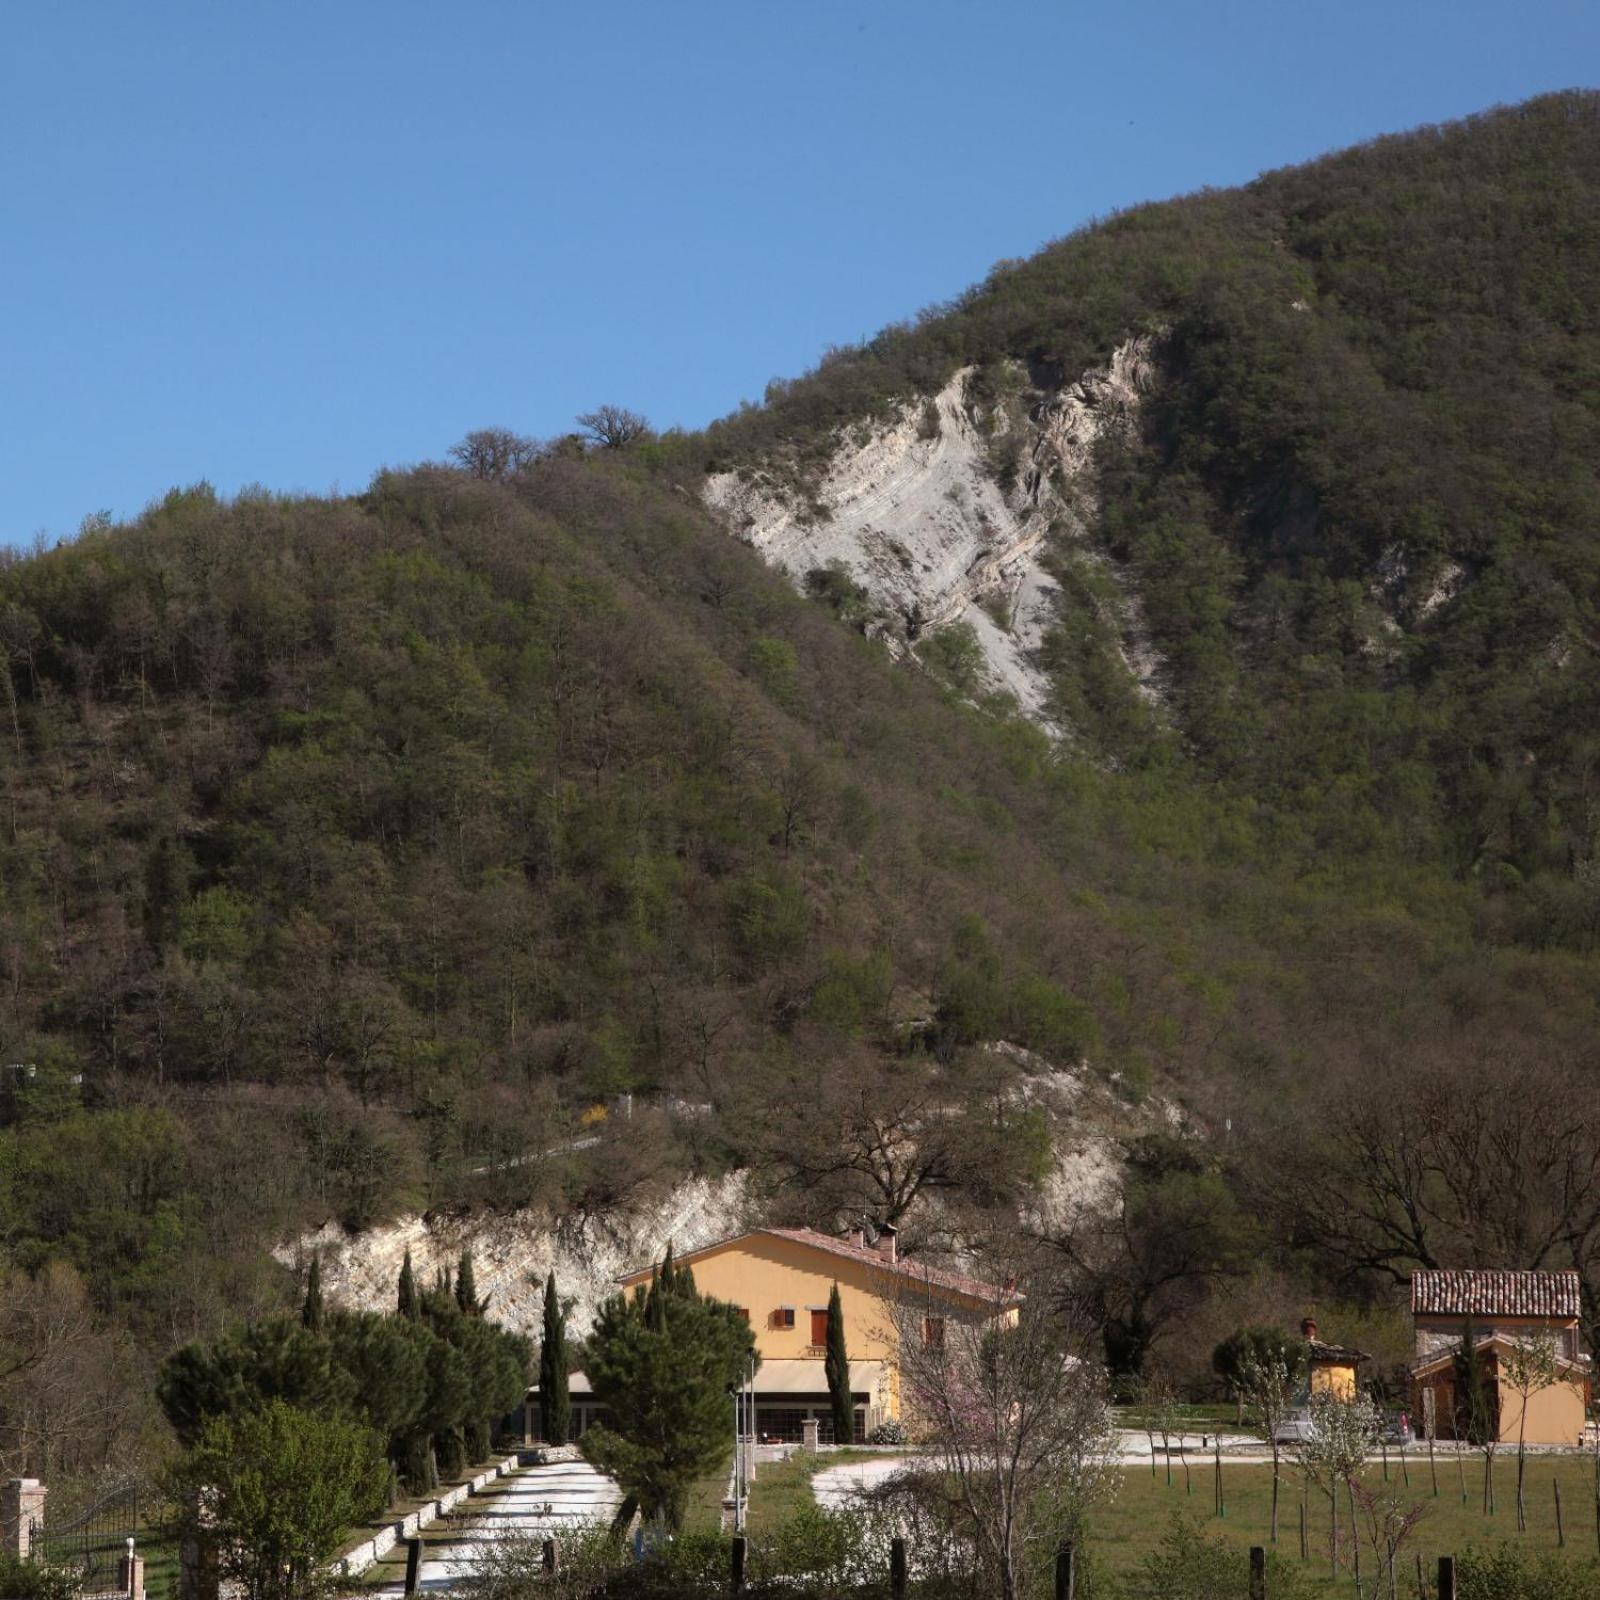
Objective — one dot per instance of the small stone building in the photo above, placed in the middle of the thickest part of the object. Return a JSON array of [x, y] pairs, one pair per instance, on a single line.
[[1501, 1309], [1331, 1368]]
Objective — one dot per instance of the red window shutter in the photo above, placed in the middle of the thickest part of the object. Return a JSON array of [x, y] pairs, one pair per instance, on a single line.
[[819, 1327]]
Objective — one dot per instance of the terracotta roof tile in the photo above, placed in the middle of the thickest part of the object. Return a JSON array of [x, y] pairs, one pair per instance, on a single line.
[[1494, 1294], [913, 1272]]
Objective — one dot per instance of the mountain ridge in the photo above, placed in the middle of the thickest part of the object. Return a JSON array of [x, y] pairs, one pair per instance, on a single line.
[[356, 854]]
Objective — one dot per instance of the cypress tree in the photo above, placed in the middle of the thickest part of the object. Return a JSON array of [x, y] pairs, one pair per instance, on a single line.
[[555, 1405], [311, 1311], [466, 1289], [1473, 1419], [836, 1364], [410, 1302]]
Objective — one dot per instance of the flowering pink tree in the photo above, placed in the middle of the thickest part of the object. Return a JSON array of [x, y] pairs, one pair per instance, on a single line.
[[1019, 1424]]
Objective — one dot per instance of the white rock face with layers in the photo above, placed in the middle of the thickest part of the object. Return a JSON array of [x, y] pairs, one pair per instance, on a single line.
[[920, 523], [512, 1254]]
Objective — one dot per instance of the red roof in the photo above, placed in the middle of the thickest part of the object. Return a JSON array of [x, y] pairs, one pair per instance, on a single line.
[[911, 1271], [1494, 1294]]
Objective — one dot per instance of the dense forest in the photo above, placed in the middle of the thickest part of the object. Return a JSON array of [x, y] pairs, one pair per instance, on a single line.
[[357, 852]]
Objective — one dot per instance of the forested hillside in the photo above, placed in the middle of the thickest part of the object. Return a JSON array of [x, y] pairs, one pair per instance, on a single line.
[[1363, 519], [356, 853]]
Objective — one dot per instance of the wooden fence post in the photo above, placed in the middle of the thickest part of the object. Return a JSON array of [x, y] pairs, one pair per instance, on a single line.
[[1447, 1578], [1305, 1543], [413, 1564], [739, 1550], [1258, 1572], [897, 1568], [551, 1558], [1561, 1532], [1422, 1583], [1066, 1572]]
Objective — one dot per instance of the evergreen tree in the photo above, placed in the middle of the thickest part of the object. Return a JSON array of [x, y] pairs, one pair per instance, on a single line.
[[311, 1311], [243, 1370], [836, 1365], [555, 1405], [664, 1365], [1474, 1409], [410, 1302], [467, 1289]]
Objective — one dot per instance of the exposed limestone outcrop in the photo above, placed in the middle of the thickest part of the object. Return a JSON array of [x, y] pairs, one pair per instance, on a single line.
[[512, 1254], [913, 509]]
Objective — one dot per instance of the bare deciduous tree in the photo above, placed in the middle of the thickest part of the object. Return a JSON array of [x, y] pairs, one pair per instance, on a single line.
[[612, 427], [1342, 1434], [1268, 1384], [494, 453], [1019, 1425], [1528, 1366]]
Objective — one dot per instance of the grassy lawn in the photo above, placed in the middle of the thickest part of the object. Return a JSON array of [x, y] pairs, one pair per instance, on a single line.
[[780, 1489], [1130, 1528], [1219, 1417]]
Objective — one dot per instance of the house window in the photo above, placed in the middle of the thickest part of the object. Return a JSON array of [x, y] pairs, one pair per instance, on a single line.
[[819, 1325], [933, 1333], [783, 1317], [744, 1311]]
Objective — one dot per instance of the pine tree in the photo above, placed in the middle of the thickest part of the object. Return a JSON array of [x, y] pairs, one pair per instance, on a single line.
[[836, 1364], [311, 1311], [410, 1302], [467, 1289], [664, 1366], [555, 1405]]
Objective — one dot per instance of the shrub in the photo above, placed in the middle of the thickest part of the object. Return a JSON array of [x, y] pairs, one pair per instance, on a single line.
[[891, 1432], [281, 1487], [1189, 1566], [1508, 1572], [33, 1580]]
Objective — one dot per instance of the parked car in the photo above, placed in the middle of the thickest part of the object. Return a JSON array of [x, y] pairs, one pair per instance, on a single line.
[[1397, 1429], [1295, 1427]]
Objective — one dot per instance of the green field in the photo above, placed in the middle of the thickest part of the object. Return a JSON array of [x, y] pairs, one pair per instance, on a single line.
[[1129, 1529], [1124, 1532]]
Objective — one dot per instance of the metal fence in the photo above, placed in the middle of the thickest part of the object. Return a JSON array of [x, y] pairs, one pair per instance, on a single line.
[[91, 1541]]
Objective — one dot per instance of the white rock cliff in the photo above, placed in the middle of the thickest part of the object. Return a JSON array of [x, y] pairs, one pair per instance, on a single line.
[[916, 517]]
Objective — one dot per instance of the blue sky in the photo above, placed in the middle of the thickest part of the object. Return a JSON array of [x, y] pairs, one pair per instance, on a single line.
[[290, 242]]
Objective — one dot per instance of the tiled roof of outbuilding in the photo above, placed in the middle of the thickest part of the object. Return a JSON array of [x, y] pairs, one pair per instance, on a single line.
[[1494, 1294]]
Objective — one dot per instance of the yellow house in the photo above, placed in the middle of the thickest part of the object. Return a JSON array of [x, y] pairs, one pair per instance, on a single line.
[[1503, 1310], [780, 1278], [1331, 1367]]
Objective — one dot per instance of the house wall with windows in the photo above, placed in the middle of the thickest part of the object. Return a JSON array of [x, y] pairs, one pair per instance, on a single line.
[[781, 1279], [1502, 1309]]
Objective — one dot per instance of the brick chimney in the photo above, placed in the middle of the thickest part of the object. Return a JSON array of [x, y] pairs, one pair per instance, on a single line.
[[887, 1235], [1308, 1329], [856, 1238]]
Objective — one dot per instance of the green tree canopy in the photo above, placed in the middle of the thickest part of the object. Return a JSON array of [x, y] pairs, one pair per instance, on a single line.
[[665, 1363], [280, 1487]]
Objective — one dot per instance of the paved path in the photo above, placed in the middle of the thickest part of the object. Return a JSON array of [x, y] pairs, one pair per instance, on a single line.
[[837, 1487], [537, 1500]]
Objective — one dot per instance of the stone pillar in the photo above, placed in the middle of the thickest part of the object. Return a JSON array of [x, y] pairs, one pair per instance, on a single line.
[[21, 1505], [130, 1574], [808, 1435], [198, 1577]]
